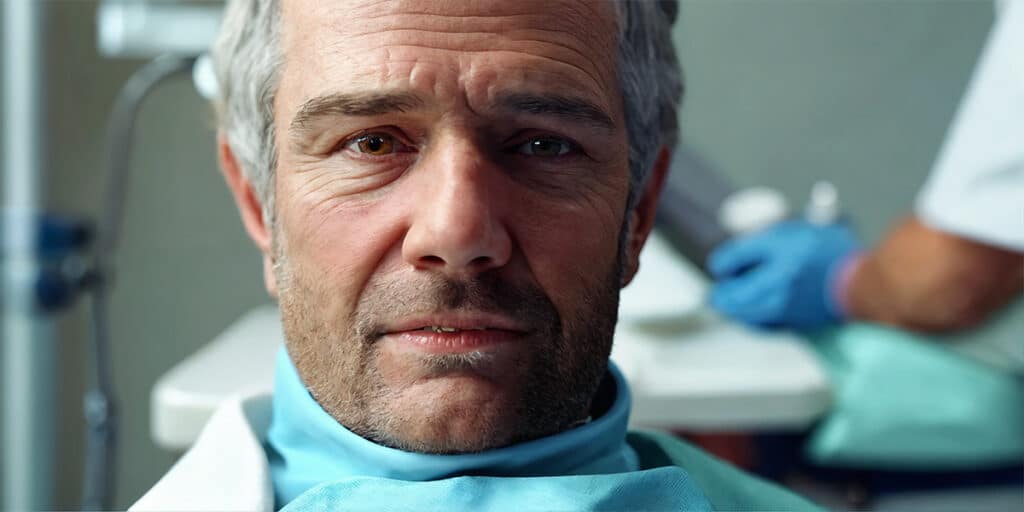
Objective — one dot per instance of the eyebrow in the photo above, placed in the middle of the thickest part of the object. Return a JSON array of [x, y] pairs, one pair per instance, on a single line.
[[572, 109], [352, 104]]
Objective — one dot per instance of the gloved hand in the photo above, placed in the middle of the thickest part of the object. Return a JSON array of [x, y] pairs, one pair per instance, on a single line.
[[784, 276]]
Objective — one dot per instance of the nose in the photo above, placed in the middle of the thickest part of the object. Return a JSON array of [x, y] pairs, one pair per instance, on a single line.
[[457, 226]]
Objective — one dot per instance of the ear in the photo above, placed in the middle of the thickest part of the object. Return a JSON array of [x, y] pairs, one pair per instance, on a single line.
[[250, 207], [641, 219]]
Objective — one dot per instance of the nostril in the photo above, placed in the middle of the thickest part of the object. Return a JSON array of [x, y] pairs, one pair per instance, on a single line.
[[432, 260], [481, 260]]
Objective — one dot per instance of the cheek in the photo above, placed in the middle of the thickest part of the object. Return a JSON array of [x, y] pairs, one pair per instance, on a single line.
[[334, 244], [571, 248]]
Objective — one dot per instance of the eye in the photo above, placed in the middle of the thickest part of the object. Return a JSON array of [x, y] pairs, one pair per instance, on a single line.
[[546, 147], [375, 144]]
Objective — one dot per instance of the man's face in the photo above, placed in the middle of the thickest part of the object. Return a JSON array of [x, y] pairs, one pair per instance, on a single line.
[[450, 206]]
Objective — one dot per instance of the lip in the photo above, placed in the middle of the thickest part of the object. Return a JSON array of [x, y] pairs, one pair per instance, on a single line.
[[475, 332], [465, 321], [454, 343]]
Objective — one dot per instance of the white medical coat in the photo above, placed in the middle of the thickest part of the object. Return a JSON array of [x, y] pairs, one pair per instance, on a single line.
[[226, 468], [976, 189]]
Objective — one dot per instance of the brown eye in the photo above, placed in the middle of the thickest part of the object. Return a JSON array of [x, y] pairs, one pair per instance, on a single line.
[[545, 147], [376, 144]]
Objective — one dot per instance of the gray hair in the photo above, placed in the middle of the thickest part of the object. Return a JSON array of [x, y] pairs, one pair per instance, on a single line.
[[247, 60]]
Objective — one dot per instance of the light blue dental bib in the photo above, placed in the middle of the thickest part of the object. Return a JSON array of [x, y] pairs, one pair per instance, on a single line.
[[317, 464]]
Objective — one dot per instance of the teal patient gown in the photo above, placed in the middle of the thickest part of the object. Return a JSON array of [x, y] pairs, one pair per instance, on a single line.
[[317, 464]]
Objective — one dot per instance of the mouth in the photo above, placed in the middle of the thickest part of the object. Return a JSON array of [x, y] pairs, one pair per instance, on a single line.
[[455, 332]]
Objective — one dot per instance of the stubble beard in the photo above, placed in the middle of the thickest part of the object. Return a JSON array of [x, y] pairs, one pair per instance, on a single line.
[[338, 358]]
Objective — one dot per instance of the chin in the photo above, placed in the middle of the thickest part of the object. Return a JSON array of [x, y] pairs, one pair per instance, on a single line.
[[454, 414]]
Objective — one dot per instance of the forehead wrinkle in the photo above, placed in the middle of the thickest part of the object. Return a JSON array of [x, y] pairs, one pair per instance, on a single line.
[[485, 42], [389, 49], [470, 9], [399, 24], [584, 27], [572, 38]]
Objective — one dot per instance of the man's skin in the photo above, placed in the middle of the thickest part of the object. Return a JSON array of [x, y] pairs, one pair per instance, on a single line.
[[924, 279], [449, 164]]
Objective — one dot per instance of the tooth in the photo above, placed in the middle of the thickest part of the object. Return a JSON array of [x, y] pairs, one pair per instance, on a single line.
[[441, 328]]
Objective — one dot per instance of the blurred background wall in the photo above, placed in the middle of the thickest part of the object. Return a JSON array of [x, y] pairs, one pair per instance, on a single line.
[[779, 92]]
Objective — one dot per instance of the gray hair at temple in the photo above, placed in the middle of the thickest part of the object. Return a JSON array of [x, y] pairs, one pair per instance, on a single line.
[[247, 59]]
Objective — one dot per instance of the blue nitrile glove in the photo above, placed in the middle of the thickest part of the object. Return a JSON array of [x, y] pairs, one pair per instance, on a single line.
[[784, 276]]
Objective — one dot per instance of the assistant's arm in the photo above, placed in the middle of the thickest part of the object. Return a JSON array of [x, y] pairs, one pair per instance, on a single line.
[[925, 279]]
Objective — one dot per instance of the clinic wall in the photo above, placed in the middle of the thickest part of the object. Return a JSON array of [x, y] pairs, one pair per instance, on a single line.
[[779, 92]]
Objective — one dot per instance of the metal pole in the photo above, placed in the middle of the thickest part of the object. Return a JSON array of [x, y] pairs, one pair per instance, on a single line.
[[28, 342]]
